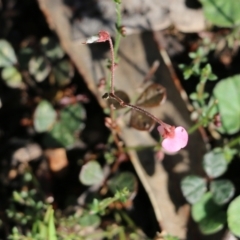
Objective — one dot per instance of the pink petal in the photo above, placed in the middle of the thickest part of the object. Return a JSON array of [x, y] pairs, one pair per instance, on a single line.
[[177, 142]]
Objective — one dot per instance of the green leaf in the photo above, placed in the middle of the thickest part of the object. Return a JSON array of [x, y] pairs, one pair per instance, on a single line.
[[44, 116], [49, 223], [204, 208], [214, 164], [62, 73], [222, 191], [233, 216], [7, 54], [63, 132], [193, 188], [89, 220], [39, 68], [72, 116], [213, 224], [91, 173], [222, 13], [193, 96], [51, 48], [12, 77], [59, 136], [227, 92], [121, 181], [192, 55], [209, 216]]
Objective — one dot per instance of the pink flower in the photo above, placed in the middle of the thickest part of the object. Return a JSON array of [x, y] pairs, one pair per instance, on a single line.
[[173, 138]]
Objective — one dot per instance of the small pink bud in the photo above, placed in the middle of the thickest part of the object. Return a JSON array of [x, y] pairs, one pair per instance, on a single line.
[[174, 138], [103, 36]]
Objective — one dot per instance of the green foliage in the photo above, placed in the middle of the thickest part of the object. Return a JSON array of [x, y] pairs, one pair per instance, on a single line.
[[63, 132], [12, 77], [44, 116], [7, 54], [214, 164], [233, 216], [91, 173], [51, 48], [89, 220], [39, 68], [121, 181], [209, 216], [227, 94], [222, 13], [222, 191], [193, 188], [62, 73]]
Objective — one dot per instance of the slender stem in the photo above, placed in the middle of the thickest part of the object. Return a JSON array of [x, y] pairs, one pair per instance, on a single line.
[[118, 25], [112, 64], [233, 142], [195, 127], [139, 109]]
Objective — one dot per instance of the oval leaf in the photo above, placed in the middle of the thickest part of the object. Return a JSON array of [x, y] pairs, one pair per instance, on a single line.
[[204, 208], [154, 95], [51, 48], [222, 191], [193, 188], [72, 117], [91, 173], [44, 116], [89, 220], [213, 224], [221, 12], [227, 94], [39, 68], [122, 180], [62, 73], [12, 77], [141, 121], [122, 95], [59, 136], [233, 216], [214, 164], [7, 54]]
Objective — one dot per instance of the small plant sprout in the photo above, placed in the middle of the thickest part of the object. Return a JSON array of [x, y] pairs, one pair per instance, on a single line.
[[174, 139]]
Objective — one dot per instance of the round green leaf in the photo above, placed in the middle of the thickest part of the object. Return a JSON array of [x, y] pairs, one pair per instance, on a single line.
[[51, 48], [233, 216], [91, 173], [122, 180], [214, 164], [212, 224], [72, 117], [39, 68], [62, 72], [59, 136], [12, 77], [44, 116], [227, 94], [221, 12], [7, 54], [222, 191], [204, 208], [89, 220], [193, 187]]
